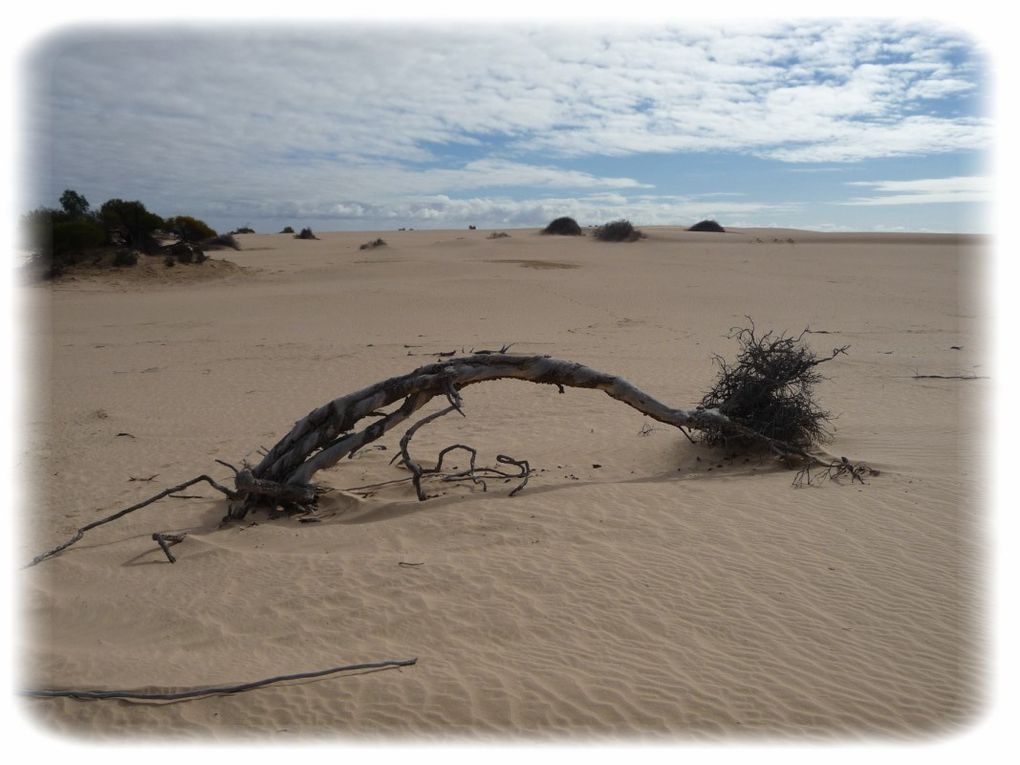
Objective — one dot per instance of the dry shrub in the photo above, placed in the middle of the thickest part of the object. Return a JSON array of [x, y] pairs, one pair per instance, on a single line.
[[563, 227], [618, 231], [707, 225], [770, 389]]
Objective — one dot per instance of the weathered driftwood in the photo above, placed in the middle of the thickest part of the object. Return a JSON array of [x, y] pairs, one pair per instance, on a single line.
[[327, 434]]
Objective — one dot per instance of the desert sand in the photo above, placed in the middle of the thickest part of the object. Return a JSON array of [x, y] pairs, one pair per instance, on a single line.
[[640, 586]]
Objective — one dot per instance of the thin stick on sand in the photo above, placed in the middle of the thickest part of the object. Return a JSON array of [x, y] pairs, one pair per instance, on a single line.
[[194, 693]]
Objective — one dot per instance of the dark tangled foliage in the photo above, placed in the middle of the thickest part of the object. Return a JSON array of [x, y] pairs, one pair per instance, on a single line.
[[306, 233], [618, 231], [770, 389], [707, 225], [221, 241], [563, 227], [373, 244]]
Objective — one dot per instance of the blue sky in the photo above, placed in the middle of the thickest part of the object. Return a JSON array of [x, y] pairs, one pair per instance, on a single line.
[[820, 124]]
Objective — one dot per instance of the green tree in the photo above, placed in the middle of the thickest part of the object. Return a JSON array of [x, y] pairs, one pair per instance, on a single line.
[[74, 204], [129, 223], [189, 229]]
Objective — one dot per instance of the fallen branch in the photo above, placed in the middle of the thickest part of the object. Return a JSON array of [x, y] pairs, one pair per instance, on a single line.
[[327, 435], [120, 514], [949, 377], [193, 693]]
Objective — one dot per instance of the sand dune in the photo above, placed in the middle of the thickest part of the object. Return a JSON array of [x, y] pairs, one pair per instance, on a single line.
[[639, 585]]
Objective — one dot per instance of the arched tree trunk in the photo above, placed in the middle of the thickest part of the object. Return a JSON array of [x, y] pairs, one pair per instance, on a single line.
[[328, 434]]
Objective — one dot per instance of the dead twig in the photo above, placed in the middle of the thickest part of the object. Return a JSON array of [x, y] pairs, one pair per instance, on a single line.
[[165, 541], [832, 471]]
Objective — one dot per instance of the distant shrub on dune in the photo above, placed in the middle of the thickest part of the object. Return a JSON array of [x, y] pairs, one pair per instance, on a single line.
[[287, 230], [243, 230], [618, 231], [306, 233], [222, 241], [373, 244], [189, 229], [125, 258], [563, 227], [707, 225], [498, 235]]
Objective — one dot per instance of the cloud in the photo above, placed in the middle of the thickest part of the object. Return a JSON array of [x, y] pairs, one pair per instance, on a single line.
[[442, 211], [253, 119], [961, 189]]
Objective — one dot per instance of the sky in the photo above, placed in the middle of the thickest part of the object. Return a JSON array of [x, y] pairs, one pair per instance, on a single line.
[[825, 124]]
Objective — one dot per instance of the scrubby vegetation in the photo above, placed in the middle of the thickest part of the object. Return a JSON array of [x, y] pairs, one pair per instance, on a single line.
[[188, 229], [498, 235], [287, 230], [563, 227], [618, 231], [185, 252], [243, 230], [114, 235], [221, 242], [306, 233], [707, 225], [373, 244], [770, 389], [125, 258]]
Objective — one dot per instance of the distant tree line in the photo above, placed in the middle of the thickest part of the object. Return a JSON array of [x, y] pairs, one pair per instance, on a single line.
[[61, 237]]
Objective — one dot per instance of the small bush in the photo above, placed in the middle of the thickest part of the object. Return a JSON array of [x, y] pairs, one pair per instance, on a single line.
[[373, 244], [222, 241], [707, 225], [243, 230], [125, 258], [498, 235], [185, 252], [306, 233], [770, 389], [563, 227], [618, 231], [189, 229], [472, 228], [287, 230]]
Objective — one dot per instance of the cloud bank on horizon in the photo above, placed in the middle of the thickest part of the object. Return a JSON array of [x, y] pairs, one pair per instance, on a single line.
[[815, 124]]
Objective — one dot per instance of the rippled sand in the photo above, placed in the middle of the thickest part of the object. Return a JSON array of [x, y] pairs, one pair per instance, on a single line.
[[640, 586]]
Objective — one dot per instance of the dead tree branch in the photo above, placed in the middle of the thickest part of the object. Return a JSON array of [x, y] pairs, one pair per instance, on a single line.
[[194, 693], [120, 514], [327, 434]]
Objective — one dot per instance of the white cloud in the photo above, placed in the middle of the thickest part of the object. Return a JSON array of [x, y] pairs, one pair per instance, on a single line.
[[974, 189], [251, 119], [442, 211]]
